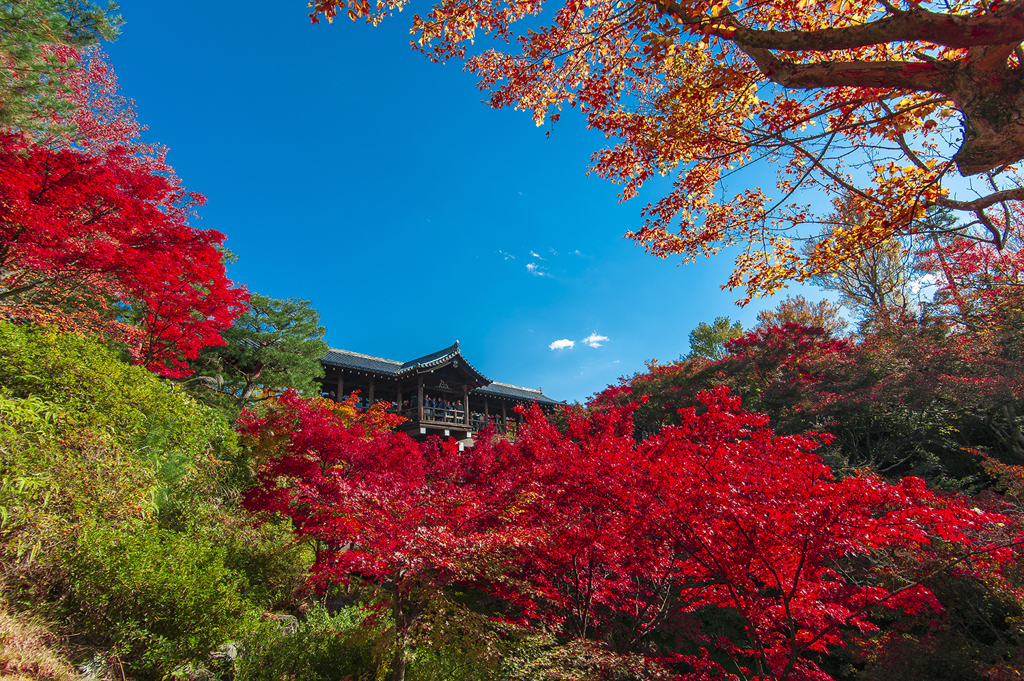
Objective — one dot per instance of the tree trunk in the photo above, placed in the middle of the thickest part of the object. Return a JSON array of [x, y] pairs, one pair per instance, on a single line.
[[1012, 438], [993, 129], [400, 659]]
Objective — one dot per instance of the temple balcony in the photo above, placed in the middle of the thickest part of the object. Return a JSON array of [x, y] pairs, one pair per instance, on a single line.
[[438, 394]]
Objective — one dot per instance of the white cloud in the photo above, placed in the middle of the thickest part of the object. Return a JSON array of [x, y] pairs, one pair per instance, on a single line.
[[593, 340], [562, 344], [536, 255], [536, 270], [507, 255], [923, 282]]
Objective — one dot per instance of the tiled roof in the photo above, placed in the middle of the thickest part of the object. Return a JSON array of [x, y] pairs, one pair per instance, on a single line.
[[433, 359], [356, 360], [389, 367], [516, 391], [441, 357]]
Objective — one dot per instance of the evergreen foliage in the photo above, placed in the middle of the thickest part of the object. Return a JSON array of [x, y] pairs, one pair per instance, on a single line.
[[89, 390], [157, 598], [272, 346], [30, 70]]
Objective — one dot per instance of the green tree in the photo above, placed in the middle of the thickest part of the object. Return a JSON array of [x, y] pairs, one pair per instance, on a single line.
[[274, 345], [799, 310], [29, 71], [707, 340]]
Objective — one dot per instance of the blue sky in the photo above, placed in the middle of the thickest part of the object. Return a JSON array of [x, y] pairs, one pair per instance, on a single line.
[[347, 170]]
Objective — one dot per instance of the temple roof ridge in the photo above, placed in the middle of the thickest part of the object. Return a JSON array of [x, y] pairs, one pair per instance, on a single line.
[[517, 391], [436, 357], [451, 354], [428, 363], [520, 387], [364, 355]]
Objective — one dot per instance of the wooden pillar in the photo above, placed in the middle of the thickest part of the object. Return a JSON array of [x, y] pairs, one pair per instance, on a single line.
[[487, 414], [398, 398], [504, 419], [371, 391], [465, 405], [339, 395], [419, 397]]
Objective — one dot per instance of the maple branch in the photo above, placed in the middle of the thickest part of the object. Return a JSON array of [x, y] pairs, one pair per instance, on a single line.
[[832, 175], [794, 654], [912, 585], [9, 293], [875, 120], [815, 163], [981, 203], [1007, 221], [990, 226], [1004, 26], [991, 56], [760, 139], [596, 37], [901, 139], [901, 75]]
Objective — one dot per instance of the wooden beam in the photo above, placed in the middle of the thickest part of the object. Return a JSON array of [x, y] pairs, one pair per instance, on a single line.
[[419, 398]]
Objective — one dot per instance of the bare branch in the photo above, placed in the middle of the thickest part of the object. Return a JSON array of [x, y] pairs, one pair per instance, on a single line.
[[990, 226], [981, 203], [902, 140]]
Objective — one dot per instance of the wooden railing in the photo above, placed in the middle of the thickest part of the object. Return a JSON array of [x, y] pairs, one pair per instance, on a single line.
[[457, 417]]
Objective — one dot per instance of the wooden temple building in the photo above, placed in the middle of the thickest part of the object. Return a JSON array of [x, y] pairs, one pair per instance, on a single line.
[[438, 394]]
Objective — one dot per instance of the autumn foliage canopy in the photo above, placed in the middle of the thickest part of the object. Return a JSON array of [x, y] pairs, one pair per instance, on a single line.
[[592, 534], [863, 102]]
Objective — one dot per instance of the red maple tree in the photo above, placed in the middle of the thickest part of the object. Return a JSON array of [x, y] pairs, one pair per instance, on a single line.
[[721, 515], [96, 235], [409, 517], [637, 544], [881, 102]]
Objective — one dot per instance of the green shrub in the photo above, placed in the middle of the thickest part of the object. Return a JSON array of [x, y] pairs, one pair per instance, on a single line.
[[325, 647], [544, 659], [55, 481], [156, 598], [275, 568], [456, 642], [88, 388]]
